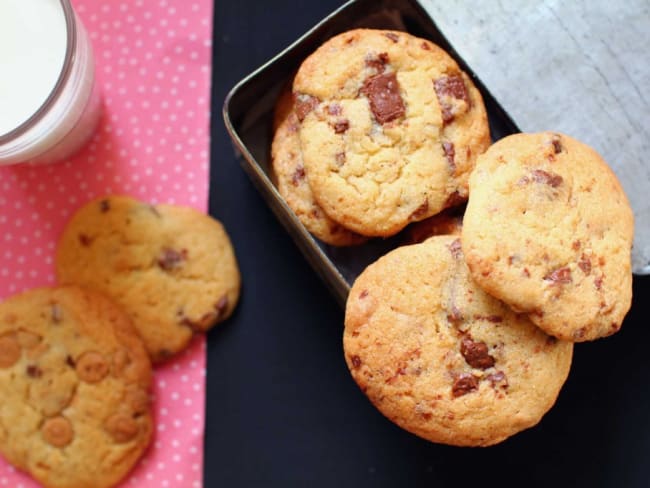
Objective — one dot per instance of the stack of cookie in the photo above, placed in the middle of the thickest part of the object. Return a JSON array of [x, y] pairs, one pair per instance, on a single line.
[[137, 282], [465, 334]]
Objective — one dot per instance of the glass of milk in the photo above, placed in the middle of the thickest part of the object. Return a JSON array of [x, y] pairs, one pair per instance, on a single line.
[[49, 101]]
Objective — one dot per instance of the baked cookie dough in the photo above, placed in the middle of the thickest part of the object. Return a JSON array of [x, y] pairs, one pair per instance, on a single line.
[[548, 230], [74, 383], [290, 177], [171, 268], [441, 358], [390, 129]]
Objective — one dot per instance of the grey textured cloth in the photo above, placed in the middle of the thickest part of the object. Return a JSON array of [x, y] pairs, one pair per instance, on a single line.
[[577, 67]]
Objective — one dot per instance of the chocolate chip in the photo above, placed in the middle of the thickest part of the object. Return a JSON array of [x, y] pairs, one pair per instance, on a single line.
[[496, 378], [341, 126], [70, 361], [104, 206], [450, 153], [463, 384], [334, 109], [377, 62], [340, 158], [56, 313], [447, 87], [560, 276], [356, 361], [476, 353], [420, 212], [363, 294], [85, 240], [34, 371], [585, 264], [222, 305], [385, 100], [455, 249], [598, 282], [171, 259], [303, 104], [425, 46], [392, 36], [557, 144], [298, 175], [552, 179], [550, 340]]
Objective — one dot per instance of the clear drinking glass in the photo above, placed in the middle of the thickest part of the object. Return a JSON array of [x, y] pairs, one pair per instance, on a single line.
[[67, 119]]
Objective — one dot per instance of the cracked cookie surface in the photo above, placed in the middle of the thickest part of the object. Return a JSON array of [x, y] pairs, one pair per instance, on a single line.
[[74, 382], [390, 128], [291, 179], [548, 230], [443, 359], [171, 268]]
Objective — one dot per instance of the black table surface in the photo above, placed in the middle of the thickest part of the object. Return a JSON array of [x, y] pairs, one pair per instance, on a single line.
[[282, 409]]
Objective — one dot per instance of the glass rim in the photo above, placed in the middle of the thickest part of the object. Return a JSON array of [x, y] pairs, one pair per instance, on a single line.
[[64, 75]]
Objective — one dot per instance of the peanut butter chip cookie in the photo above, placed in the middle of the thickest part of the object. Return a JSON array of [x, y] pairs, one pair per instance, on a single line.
[[291, 179], [548, 230], [58, 393], [440, 357], [390, 129], [171, 268]]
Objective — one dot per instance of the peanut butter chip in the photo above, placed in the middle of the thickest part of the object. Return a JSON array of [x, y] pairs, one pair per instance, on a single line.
[[9, 351], [57, 431], [121, 428], [92, 367]]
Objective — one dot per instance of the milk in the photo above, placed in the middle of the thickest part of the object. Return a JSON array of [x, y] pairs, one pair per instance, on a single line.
[[49, 104], [33, 40]]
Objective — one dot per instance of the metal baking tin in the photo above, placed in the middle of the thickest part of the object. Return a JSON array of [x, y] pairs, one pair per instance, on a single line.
[[248, 115]]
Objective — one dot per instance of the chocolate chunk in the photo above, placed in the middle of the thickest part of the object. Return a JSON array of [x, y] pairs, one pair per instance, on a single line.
[[392, 36], [104, 206], [377, 62], [298, 175], [476, 354], [585, 264], [341, 126], [455, 249], [385, 100], [421, 211], [557, 144], [303, 104], [552, 179], [85, 240], [450, 153], [356, 361], [550, 341], [560, 276], [171, 259], [222, 305], [496, 378], [449, 87], [463, 384], [334, 109], [34, 371], [70, 361]]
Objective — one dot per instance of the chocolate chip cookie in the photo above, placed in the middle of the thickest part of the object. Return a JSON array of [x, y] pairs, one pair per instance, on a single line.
[[74, 383], [290, 177], [171, 268], [390, 129], [548, 230], [443, 359]]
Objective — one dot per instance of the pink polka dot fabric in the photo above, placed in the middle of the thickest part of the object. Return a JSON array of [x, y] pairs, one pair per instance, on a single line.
[[153, 64]]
